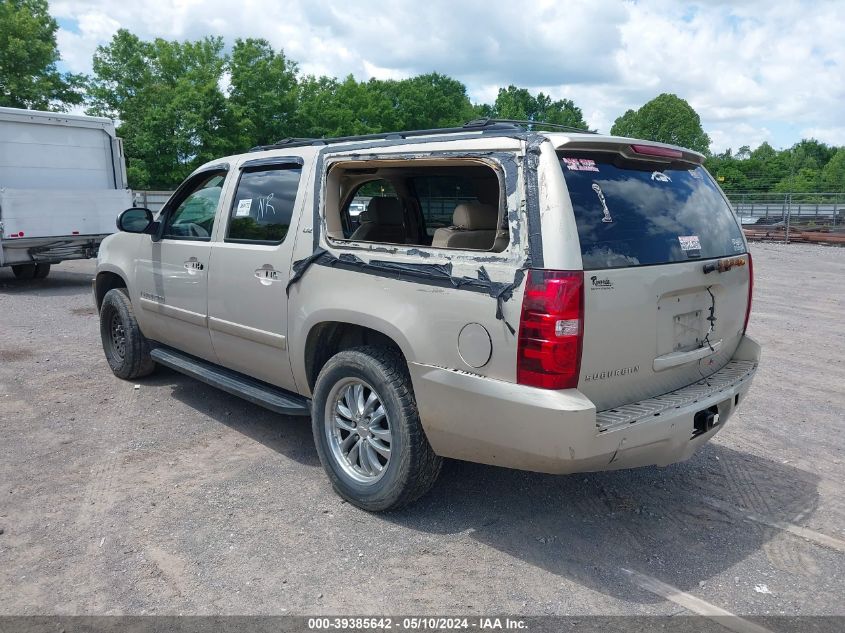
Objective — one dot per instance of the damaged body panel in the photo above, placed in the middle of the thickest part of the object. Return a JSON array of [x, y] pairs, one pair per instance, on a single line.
[[666, 310], [419, 295], [648, 234], [560, 302]]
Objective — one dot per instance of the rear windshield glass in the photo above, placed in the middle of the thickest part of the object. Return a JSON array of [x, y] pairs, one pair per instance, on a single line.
[[633, 216]]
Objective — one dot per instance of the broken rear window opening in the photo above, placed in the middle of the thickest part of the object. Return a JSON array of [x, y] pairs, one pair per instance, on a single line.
[[454, 204], [636, 214]]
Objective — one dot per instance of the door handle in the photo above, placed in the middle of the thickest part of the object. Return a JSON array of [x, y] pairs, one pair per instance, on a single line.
[[674, 359], [194, 264], [266, 275]]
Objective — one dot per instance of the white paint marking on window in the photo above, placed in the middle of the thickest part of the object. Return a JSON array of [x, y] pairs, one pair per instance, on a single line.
[[694, 604]]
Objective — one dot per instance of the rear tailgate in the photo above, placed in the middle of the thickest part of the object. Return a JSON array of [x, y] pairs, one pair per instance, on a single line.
[[658, 312]]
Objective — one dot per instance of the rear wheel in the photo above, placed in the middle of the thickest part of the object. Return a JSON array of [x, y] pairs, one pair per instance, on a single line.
[[41, 270], [368, 432], [126, 348], [24, 271]]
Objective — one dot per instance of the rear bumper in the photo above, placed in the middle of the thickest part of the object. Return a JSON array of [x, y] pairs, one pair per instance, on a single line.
[[474, 418]]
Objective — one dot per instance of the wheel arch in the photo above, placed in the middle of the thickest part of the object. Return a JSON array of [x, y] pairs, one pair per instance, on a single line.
[[326, 338], [104, 281]]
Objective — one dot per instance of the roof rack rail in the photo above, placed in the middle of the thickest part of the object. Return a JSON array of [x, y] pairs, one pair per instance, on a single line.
[[288, 140], [532, 124], [285, 142], [476, 125]]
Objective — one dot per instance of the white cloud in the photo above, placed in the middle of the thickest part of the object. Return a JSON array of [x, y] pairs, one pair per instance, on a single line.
[[77, 47], [378, 72], [754, 70], [833, 135], [738, 135]]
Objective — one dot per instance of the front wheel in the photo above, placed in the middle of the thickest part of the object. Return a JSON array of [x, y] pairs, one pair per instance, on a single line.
[[126, 348], [368, 431]]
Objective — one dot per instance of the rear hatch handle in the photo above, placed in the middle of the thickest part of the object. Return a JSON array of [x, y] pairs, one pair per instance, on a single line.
[[673, 359]]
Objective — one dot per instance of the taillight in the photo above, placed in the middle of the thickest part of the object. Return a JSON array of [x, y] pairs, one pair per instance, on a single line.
[[551, 329], [750, 292]]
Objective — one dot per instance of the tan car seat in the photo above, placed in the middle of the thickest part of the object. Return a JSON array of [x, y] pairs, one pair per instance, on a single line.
[[383, 221], [474, 226]]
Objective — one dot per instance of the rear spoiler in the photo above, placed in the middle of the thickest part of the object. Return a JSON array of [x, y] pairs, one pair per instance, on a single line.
[[634, 149]]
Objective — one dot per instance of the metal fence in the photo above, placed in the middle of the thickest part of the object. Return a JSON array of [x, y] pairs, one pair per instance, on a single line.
[[792, 217]]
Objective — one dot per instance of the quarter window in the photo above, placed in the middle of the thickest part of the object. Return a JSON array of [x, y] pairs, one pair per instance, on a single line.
[[263, 204], [438, 197], [453, 204]]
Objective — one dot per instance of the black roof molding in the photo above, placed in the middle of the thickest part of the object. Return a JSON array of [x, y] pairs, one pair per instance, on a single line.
[[484, 126], [530, 126]]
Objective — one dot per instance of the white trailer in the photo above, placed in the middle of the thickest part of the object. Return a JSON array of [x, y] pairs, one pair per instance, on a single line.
[[62, 186]]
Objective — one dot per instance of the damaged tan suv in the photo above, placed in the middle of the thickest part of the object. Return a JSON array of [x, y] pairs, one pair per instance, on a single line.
[[553, 301]]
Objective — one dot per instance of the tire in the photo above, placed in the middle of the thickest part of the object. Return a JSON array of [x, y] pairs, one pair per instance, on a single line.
[[41, 271], [23, 271], [127, 350], [412, 467]]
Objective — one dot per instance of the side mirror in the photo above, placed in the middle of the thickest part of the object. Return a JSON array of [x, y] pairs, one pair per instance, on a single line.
[[136, 220]]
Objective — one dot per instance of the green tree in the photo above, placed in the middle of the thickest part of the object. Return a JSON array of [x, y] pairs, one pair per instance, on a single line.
[[667, 119], [806, 179], [810, 153], [801, 166], [833, 174], [166, 95], [806, 167], [427, 101], [316, 96], [331, 107], [714, 161], [732, 178], [520, 104], [764, 152], [263, 92], [747, 170], [365, 106], [28, 57], [766, 167], [122, 72]]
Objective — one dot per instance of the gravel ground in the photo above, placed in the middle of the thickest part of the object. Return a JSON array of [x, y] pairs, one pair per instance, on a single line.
[[174, 498]]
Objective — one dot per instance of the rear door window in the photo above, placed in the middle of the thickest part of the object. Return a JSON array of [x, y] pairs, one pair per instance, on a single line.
[[263, 204], [630, 215]]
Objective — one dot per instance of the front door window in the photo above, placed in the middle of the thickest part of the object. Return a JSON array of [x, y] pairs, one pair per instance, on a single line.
[[193, 218]]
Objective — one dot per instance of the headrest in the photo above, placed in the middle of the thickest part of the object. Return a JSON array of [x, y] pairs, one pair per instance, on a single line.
[[475, 216], [382, 210]]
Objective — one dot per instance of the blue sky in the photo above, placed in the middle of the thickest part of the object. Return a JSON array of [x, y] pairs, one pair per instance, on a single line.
[[755, 71]]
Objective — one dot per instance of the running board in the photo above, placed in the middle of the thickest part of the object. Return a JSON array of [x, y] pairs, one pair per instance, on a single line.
[[233, 382]]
